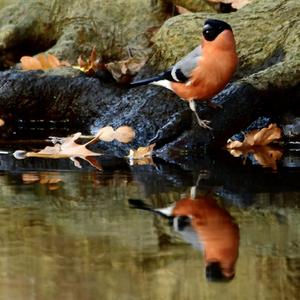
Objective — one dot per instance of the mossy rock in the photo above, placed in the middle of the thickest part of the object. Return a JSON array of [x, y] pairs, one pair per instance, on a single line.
[[267, 35]]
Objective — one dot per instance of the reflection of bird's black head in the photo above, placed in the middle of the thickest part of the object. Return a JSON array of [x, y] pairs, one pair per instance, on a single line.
[[212, 28], [214, 273]]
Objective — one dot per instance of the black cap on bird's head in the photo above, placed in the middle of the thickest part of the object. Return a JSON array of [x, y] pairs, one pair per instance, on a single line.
[[213, 27]]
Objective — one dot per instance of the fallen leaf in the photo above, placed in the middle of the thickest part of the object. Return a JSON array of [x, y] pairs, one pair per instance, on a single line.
[[255, 142], [260, 137], [41, 62], [91, 65], [141, 156], [182, 10], [69, 148], [268, 156], [123, 70], [2, 122], [124, 134], [237, 4]]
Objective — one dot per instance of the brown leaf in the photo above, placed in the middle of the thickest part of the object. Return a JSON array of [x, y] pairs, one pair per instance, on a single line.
[[267, 135], [125, 68], [141, 152], [91, 65], [237, 4], [182, 10], [41, 62], [124, 134], [30, 63], [255, 143], [106, 134], [268, 156], [255, 138]]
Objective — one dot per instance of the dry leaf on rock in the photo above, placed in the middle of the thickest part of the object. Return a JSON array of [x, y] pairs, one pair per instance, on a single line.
[[255, 143], [123, 70], [182, 10], [237, 4], [91, 65], [41, 62]]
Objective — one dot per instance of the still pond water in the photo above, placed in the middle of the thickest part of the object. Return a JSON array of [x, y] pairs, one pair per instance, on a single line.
[[68, 233]]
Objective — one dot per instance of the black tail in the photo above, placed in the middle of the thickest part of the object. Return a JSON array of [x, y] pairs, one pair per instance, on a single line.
[[140, 204], [145, 81]]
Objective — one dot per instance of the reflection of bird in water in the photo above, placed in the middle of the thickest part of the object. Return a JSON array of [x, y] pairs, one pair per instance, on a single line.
[[208, 227]]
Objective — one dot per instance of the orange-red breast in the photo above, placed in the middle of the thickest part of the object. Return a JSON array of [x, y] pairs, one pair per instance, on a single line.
[[208, 227], [205, 71]]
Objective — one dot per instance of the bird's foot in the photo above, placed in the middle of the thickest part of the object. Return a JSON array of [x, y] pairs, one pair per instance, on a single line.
[[204, 123]]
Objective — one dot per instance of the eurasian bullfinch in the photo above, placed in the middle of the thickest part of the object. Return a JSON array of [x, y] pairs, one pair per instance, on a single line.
[[208, 227], [205, 71]]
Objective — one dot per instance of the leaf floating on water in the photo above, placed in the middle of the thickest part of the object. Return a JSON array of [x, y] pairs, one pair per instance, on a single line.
[[256, 142], [41, 62], [69, 148], [256, 138]]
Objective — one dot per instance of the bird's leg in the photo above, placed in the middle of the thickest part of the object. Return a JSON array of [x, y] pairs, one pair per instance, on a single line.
[[202, 123]]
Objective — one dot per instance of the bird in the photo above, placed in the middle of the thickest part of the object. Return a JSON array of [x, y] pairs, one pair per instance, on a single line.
[[208, 227], [205, 71]]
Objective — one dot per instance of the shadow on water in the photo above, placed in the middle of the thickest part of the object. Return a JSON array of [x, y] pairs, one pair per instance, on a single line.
[[68, 233]]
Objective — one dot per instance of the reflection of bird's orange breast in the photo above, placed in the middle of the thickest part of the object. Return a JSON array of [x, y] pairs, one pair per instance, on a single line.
[[215, 227]]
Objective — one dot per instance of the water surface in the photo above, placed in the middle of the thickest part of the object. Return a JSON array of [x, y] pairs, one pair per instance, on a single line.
[[67, 233]]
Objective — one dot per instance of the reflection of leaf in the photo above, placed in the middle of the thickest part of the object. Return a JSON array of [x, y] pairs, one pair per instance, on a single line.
[[51, 180], [268, 156], [124, 70], [41, 62], [237, 4], [255, 143]]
